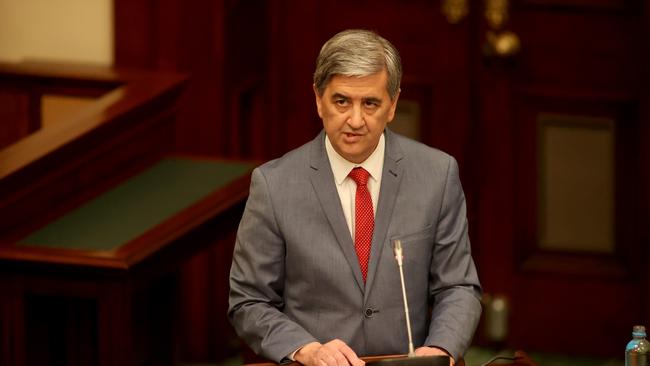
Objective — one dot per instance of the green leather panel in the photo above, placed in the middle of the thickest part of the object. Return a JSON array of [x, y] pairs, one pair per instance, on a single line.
[[137, 205]]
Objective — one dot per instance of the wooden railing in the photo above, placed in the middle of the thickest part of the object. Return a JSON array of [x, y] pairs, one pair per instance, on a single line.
[[48, 170]]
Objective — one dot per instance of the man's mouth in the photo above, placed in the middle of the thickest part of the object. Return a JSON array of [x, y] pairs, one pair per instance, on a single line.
[[351, 137]]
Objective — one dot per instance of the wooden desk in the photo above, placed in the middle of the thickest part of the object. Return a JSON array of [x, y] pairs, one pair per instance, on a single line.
[[103, 278]]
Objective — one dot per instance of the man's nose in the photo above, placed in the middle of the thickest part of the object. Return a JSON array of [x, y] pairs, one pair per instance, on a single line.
[[356, 117]]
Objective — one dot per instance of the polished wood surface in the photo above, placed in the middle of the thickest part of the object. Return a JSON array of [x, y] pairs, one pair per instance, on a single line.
[[119, 91]]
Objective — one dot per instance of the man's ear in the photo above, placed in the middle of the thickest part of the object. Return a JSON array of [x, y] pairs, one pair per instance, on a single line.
[[319, 100], [393, 106]]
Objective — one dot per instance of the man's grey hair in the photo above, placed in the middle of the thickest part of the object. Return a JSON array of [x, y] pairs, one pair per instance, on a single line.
[[358, 52]]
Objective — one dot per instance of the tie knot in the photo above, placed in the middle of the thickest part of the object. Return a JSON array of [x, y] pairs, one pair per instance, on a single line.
[[360, 176]]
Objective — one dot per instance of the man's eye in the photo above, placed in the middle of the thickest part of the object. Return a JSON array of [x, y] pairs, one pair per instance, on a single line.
[[371, 104], [341, 102]]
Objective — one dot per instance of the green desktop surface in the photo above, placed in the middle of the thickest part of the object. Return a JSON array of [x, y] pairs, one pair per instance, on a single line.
[[140, 203]]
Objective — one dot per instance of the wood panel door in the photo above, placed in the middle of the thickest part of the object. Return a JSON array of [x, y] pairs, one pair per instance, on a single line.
[[559, 216]]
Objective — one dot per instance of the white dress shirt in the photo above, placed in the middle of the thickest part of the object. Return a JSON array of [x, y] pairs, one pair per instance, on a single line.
[[346, 187]]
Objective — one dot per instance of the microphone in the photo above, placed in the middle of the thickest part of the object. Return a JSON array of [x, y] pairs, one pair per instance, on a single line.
[[397, 249], [411, 359]]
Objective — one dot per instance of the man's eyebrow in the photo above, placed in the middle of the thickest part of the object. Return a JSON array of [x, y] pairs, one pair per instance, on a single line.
[[339, 95], [372, 99]]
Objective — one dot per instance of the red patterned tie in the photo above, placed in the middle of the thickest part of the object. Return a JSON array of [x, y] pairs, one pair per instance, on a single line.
[[364, 219]]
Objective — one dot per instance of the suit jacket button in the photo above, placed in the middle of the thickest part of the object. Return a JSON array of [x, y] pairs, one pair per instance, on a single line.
[[368, 313]]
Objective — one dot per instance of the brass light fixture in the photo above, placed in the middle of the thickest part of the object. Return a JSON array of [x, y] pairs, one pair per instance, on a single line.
[[499, 42], [455, 10]]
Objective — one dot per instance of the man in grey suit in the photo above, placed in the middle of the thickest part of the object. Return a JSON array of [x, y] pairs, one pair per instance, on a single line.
[[304, 285]]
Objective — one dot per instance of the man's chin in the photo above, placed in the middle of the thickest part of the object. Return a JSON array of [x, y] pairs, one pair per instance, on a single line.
[[353, 156]]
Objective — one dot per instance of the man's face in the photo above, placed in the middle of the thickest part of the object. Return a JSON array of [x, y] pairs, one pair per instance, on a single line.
[[355, 111]]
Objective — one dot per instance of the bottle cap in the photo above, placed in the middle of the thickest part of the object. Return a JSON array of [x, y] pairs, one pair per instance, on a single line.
[[638, 331]]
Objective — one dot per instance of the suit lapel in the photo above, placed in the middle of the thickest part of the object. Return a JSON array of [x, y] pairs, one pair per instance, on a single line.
[[322, 179], [390, 180]]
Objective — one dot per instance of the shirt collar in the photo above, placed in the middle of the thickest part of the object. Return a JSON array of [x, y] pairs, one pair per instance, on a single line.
[[342, 167]]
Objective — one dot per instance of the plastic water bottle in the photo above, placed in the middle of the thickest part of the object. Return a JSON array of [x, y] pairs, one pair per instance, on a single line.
[[637, 349]]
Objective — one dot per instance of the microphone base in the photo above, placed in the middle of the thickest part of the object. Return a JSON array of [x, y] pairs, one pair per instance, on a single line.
[[412, 361]]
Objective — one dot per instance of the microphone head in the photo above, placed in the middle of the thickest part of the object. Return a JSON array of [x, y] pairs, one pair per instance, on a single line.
[[397, 250]]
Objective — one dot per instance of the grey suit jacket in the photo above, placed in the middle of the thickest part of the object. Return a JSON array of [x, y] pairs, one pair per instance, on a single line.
[[295, 276]]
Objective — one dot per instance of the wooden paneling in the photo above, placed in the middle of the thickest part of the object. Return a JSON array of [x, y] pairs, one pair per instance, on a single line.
[[585, 47], [644, 153], [529, 105], [20, 113], [191, 37], [586, 64]]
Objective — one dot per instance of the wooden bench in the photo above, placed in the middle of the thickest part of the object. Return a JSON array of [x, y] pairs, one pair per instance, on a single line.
[[100, 284]]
